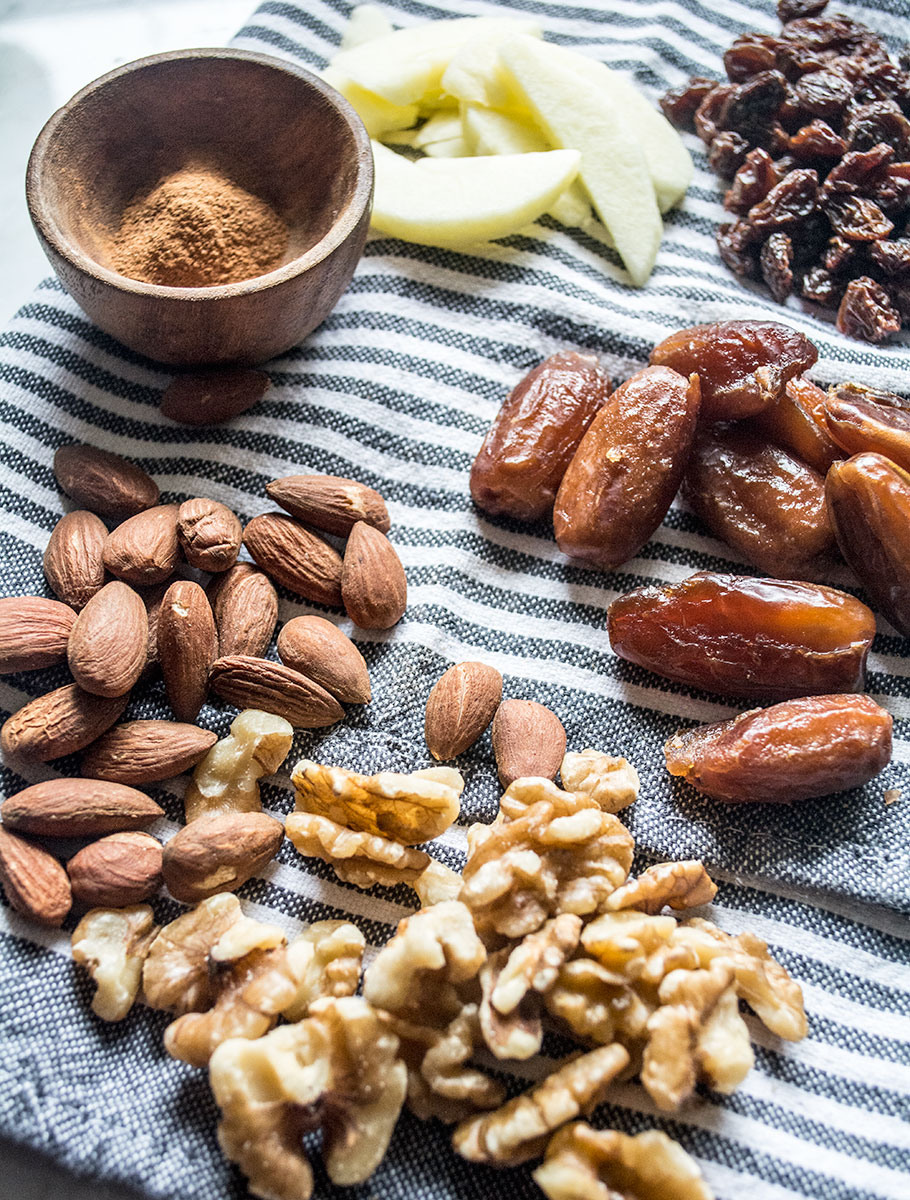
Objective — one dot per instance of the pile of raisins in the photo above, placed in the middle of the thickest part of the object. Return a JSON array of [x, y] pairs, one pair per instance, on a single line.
[[812, 128]]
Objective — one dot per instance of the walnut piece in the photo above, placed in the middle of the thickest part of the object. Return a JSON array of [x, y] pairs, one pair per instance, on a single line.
[[437, 883], [356, 857], [598, 1005], [337, 1069], [324, 960], [675, 884], [550, 852], [612, 783], [405, 808], [227, 779], [606, 1165], [519, 1130], [112, 944]]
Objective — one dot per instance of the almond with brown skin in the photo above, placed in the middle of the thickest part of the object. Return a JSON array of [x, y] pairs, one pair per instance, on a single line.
[[210, 535], [319, 650], [122, 869], [210, 397], [141, 752], [460, 707], [108, 646], [33, 633], [73, 560], [245, 605], [187, 647], [103, 482], [77, 808], [58, 723], [295, 558], [153, 598], [260, 683], [330, 502], [144, 550], [218, 853], [35, 883], [528, 741], [373, 584]]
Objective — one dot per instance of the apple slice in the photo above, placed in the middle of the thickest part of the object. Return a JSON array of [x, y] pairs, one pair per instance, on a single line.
[[475, 76], [365, 23], [441, 127], [457, 202], [378, 115], [573, 112], [406, 67]]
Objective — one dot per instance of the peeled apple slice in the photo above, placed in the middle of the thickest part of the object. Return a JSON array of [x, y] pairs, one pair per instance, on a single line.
[[406, 67], [456, 202], [572, 111], [365, 23], [475, 76], [441, 127], [378, 115]]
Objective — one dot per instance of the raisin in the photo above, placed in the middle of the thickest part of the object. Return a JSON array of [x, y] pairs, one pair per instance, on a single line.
[[892, 193], [857, 172], [866, 311], [793, 10], [816, 140], [837, 34], [892, 257], [838, 254], [751, 54], [707, 115], [753, 106], [788, 203], [857, 219], [858, 421], [752, 182], [883, 81], [740, 636], [776, 260], [727, 153], [820, 286], [679, 104], [796, 421], [734, 246], [824, 94], [880, 122]]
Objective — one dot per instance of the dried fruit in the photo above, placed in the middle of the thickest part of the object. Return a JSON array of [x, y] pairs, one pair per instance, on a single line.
[[536, 432], [259, 683], [745, 637], [144, 550], [295, 558], [318, 649], [210, 397], [796, 422], [858, 420], [776, 261], [107, 649], [627, 469], [58, 723], [77, 808], [329, 502], [742, 366], [227, 779], [801, 748], [35, 883], [33, 633], [73, 563], [104, 483], [528, 740], [113, 945], [210, 535], [141, 752], [187, 647], [218, 853], [374, 589], [460, 706], [115, 871], [245, 605]]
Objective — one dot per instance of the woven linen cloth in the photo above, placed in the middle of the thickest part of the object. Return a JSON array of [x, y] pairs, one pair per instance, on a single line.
[[397, 389]]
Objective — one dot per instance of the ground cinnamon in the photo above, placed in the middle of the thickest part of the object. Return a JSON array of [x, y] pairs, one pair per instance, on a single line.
[[196, 228]]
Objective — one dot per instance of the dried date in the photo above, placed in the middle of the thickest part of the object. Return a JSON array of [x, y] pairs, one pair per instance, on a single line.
[[740, 636], [797, 422], [858, 421]]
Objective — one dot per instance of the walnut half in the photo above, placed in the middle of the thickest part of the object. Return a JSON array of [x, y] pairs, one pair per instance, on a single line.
[[113, 943], [227, 779]]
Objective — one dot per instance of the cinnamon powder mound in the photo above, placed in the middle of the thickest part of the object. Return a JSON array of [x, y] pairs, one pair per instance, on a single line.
[[196, 228]]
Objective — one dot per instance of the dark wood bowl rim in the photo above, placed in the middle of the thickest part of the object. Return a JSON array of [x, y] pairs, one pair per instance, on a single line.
[[43, 215]]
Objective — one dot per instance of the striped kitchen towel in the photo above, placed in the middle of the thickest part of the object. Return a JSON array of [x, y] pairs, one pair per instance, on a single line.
[[397, 389]]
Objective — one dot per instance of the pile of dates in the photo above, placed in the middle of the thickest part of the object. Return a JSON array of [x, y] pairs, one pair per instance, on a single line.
[[788, 475], [812, 128]]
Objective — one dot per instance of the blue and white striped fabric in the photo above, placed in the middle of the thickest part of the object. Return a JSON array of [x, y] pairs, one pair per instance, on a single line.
[[397, 389]]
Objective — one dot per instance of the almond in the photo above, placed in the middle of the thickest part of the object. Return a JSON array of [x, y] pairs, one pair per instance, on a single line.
[[153, 598], [103, 482], [73, 562], [528, 740], [77, 808], [296, 558], [122, 869], [245, 604], [330, 502], [187, 647], [319, 650], [141, 752], [144, 549], [460, 707], [33, 633], [209, 397], [107, 649], [218, 853], [35, 883], [58, 723], [260, 683], [210, 535], [373, 584]]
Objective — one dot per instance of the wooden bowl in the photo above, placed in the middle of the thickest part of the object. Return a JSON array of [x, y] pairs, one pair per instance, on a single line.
[[271, 127]]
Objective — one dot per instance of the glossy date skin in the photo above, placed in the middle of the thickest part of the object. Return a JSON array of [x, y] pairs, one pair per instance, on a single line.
[[739, 636], [812, 746], [858, 420], [760, 500], [743, 366], [796, 421], [524, 456], [627, 469], [869, 502]]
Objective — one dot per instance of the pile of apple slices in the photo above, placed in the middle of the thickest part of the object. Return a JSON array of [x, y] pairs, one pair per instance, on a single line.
[[510, 127]]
